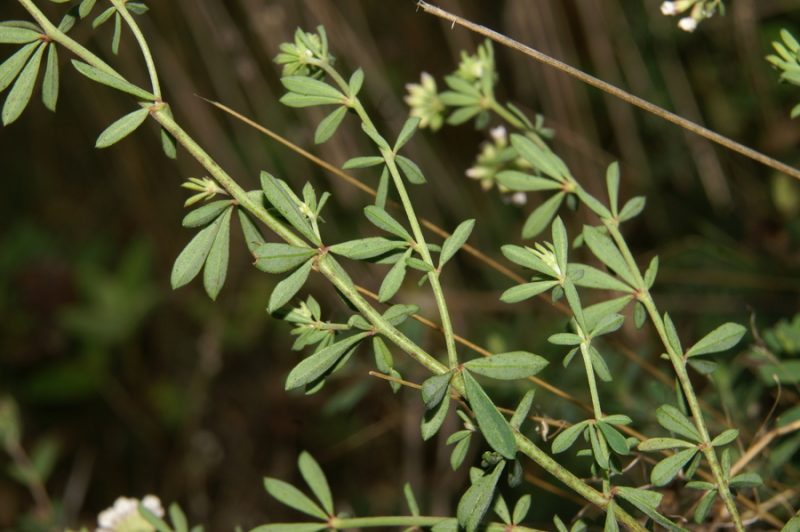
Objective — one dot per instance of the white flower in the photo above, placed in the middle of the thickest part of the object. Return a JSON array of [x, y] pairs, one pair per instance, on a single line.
[[499, 134], [687, 24], [519, 198], [124, 515], [668, 8]]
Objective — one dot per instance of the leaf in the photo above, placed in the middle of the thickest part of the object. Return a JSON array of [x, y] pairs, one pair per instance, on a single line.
[[328, 126], [86, 7], [639, 314], [746, 480], [672, 335], [612, 185], [311, 87], [216, 269], [286, 289], [455, 241], [384, 221], [567, 437], [522, 410], [122, 128], [560, 243], [664, 471], [615, 440], [660, 444], [397, 314], [12, 66], [20, 94], [280, 258], [291, 527], [541, 216], [109, 80], [525, 257], [50, 79], [632, 208], [355, 83], [459, 116], [156, 522], [411, 170], [477, 499], [409, 128], [720, 339], [362, 162], [542, 158], [600, 452], [115, 39], [508, 366], [292, 497], [460, 452], [639, 497], [103, 17], [193, 256], [521, 509], [651, 272], [315, 478], [611, 521], [277, 194], [376, 137], [704, 506], [383, 357], [591, 277], [393, 281], [297, 101], [316, 365], [515, 294], [604, 249], [522, 182], [205, 214], [16, 35], [178, 518], [168, 143], [435, 388], [501, 509], [725, 438], [433, 419], [366, 248], [673, 420], [493, 425], [564, 339]]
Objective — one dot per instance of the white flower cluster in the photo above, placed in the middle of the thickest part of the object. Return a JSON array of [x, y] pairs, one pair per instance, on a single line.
[[124, 515], [698, 12]]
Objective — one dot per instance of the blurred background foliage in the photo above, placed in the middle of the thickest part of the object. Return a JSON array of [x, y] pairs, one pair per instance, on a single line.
[[125, 387]]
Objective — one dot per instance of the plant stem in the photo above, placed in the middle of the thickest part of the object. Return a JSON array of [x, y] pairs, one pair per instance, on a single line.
[[145, 48], [679, 364], [587, 362], [408, 521]]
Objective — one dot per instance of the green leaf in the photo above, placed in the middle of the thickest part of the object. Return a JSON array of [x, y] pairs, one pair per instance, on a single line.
[[611, 521], [459, 116], [666, 469], [411, 170], [501, 509], [383, 189], [493, 425], [435, 388], [297, 101], [86, 7], [591, 277], [112, 81], [122, 128], [384, 221], [291, 527], [286, 289], [604, 249], [521, 509], [278, 194], [393, 280], [383, 357], [311, 87], [672, 335], [607, 324], [280, 258], [50, 79], [20, 94], [704, 506], [292, 497], [216, 269], [522, 410], [376, 137], [660, 444], [640, 498], [409, 128], [366, 248], [156, 522], [115, 39], [560, 243], [193, 256], [16, 35], [178, 518], [411, 501], [362, 162], [103, 17], [168, 143], [525, 257], [600, 452], [725, 438], [315, 478], [651, 272], [12, 66], [564, 339], [632, 208], [475, 502], [355, 83], [541, 216], [433, 419], [205, 214], [720, 339], [328, 126], [615, 440], [397, 314], [455, 241], [566, 438], [515, 294], [617, 419], [522, 182], [541, 157], [639, 314], [746, 480], [460, 452], [508, 366], [316, 365], [612, 185], [673, 420], [252, 236]]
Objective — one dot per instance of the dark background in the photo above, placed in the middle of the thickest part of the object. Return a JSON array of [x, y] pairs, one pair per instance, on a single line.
[[140, 389]]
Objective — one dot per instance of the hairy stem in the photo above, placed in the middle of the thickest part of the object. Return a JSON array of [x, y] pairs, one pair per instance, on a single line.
[[145, 48], [590, 377]]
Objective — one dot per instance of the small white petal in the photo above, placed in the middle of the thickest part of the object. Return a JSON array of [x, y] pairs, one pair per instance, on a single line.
[[687, 24], [519, 198], [668, 8], [498, 133], [153, 503]]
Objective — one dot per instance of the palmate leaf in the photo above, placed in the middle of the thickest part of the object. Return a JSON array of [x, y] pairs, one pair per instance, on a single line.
[[17, 35], [315, 478], [316, 365], [193, 256], [11, 67], [122, 128], [280, 196], [475, 502], [205, 214], [20, 94], [493, 425], [293, 497]]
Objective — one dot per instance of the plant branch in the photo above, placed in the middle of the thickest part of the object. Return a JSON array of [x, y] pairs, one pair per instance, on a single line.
[[145, 48]]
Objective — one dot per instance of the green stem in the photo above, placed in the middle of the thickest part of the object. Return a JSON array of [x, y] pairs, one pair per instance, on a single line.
[[148, 57], [58, 36], [679, 364], [506, 115], [408, 521], [587, 362]]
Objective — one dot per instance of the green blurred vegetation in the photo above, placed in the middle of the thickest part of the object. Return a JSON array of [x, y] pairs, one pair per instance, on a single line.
[[132, 388]]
